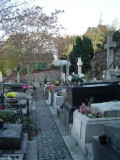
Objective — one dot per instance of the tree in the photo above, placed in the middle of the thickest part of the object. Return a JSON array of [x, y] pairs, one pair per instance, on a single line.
[[8, 12], [87, 53], [84, 49], [98, 36], [32, 32]]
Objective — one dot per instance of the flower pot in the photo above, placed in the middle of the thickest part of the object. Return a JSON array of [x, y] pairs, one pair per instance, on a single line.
[[76, 83]]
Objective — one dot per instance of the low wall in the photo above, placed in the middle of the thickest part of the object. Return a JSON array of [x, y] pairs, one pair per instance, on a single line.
[[51, 75]]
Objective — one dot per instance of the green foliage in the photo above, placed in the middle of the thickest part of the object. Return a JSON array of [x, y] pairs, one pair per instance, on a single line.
[[6, 116], [45, 80], [98, 36], [30, 127], [116, 37], [90, 101], [76, 78], [82, 48]]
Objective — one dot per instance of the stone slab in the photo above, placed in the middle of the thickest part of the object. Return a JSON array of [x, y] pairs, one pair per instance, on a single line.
[[104, 152], [10, 138], [113, 133], [108, 109]]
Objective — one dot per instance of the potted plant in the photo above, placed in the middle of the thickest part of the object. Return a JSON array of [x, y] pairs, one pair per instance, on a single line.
[[76, 78], [45, 80]]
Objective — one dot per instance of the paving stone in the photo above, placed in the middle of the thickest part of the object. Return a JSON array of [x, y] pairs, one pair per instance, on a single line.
[[51, 145]]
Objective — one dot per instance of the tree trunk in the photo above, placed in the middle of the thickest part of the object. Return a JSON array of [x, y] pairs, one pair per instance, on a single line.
[[29, 75]]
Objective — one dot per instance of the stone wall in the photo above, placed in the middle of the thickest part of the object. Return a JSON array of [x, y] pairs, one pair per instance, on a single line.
[[100, 59], [51, 75]]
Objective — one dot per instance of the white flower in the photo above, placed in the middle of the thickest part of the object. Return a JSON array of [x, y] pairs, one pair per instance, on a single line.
[[82, 75], [69, 78]]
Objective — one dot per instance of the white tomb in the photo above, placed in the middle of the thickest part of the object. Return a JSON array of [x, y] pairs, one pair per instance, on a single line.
[[84, 128]]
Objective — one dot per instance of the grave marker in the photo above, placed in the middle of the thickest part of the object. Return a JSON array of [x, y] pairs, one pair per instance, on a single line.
[[79, 63], [109, 46]]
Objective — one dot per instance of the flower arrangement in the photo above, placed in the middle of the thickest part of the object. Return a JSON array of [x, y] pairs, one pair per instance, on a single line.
[[86, 110], [99, 77], [83, 109], [25, 88], [3, 106], [51, 89], [94, 115], [57, 82], [59, 93], [13, 100], [11, 95], [77, 78]]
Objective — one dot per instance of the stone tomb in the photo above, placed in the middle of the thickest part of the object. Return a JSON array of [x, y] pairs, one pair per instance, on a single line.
[[13, 142], [111, 149], [11, 137], [84, 128], [76, 95]]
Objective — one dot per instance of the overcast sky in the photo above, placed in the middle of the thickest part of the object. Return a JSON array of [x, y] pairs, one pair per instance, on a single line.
[[81, 14]]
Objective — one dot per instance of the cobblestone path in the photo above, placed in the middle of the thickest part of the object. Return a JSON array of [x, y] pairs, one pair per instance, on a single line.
[[51, 145]]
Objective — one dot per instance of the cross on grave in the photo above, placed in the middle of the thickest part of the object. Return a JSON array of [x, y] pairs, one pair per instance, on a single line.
[[79, 63], [1, 77], [109, 46]]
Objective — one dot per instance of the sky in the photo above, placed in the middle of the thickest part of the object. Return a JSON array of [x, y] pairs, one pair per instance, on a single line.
[[80, 14]]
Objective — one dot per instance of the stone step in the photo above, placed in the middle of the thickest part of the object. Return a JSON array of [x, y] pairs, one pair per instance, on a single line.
[[32, 150], [112, 131], [89, 152]]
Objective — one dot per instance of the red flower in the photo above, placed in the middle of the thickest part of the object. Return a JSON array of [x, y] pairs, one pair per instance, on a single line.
[[51, 89]]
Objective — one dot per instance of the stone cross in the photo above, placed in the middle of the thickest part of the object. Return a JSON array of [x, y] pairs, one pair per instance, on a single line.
[[18, 77], [79, 63], [110, 45], [1, 77]]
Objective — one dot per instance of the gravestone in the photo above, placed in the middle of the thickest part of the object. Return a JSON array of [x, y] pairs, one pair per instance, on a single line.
[[110, 75], [11, 137], [79, 64], [1, 77]]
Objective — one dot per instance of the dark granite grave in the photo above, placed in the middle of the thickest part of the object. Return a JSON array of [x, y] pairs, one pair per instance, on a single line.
[[10, 137], [76, 95], [111, 149], [14, 87]]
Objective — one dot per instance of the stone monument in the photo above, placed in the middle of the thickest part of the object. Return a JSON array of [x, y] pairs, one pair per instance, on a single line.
[[110, 74], [1, 77], [79, 63]]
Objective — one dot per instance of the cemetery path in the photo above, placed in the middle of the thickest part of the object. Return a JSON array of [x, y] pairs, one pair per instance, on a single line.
[[51, 145]]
